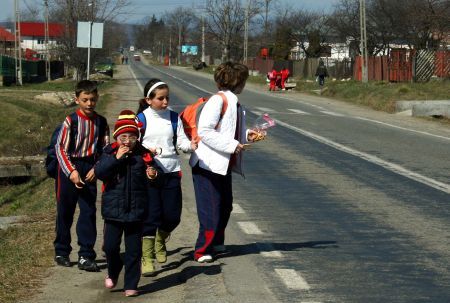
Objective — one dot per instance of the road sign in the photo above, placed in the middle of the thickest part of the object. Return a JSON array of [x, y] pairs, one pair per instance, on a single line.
[[85, 35]]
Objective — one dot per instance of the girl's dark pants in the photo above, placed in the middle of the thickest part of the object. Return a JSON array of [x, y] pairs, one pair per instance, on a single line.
[[165, 204], [214, 197], [132, 232], [67, 196]]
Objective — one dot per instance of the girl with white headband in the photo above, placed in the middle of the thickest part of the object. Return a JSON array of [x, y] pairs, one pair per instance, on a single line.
[[161, 132]]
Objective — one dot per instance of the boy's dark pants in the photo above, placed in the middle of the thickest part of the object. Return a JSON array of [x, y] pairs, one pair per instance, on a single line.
[[165, 204], [133, 251], [214, 197], [67, 196]]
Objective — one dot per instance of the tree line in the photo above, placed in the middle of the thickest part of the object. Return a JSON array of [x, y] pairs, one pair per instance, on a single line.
[[419, 24]]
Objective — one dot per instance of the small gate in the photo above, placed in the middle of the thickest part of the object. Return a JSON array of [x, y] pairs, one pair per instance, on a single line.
[[424, 65]]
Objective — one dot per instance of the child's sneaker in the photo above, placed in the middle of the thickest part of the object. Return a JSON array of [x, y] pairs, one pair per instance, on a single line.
[[205, 259], [131, 293], [110, 283], [87, 264], [62, 261]]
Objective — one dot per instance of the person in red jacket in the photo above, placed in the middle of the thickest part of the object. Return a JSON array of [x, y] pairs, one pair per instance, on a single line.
[[272, 76], [284, 76]]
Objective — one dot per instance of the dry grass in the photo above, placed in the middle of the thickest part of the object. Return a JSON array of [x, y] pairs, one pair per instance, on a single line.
[[26, 249]]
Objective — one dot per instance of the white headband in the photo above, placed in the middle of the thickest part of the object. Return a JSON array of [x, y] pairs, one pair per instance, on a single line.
[[153, 87]]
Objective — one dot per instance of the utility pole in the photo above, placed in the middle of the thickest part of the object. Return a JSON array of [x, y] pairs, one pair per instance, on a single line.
[[246, 31], [203, 39], [18, 47], [47, 61], [179, 44], [170, 47], [363, 45], [91, 21]]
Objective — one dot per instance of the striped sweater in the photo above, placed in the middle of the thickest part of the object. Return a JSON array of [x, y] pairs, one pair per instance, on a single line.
[[88, 141]]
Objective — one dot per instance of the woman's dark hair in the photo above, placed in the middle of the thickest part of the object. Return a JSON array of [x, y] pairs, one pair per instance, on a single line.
[[87, 87], [142, 103], [229, 75]]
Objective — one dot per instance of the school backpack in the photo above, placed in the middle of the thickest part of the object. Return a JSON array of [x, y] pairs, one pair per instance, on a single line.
[[191, 114], [173, 120], [51, 161]]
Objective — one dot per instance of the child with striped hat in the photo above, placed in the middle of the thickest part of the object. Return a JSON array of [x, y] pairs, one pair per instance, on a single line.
[[125, 168]]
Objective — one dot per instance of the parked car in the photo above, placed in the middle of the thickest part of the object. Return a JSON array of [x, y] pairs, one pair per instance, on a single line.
[[137, 58], [105, 66]]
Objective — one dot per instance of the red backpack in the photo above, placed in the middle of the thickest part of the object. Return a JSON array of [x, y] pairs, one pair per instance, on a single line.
[[191, 114]]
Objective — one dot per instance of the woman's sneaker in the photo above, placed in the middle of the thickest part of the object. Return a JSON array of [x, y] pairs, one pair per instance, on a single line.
[[87, 264], [205, 259]]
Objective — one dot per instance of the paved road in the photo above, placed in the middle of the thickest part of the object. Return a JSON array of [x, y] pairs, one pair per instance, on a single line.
[[340, 204]]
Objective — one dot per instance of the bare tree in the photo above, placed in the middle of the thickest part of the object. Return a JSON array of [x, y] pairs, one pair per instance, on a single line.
[[180, 22], [70, 12], [226, 22]]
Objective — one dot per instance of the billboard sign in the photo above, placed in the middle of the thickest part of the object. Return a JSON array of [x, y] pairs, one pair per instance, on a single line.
[[189, 49]]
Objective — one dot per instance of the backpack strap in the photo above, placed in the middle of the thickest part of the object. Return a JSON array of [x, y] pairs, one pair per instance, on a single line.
[[174, 121], [224, 106], [73, 131], [141, 118]]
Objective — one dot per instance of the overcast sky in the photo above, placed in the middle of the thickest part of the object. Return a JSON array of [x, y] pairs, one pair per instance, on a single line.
[[143, 8]]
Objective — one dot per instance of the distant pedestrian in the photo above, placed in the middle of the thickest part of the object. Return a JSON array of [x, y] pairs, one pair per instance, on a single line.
[[79, 145], [124, 167], [284, 76], [161, 132], [122, 58], [223, 139], [272, 76], [126, 59], [321, 73]]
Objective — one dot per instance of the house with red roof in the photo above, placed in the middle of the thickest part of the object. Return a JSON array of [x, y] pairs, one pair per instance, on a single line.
[[6, 41], [32, 35]]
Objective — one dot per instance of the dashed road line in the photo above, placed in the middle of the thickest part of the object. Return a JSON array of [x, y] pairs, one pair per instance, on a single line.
[[266, 109], [292, 279], [297, 111], [268, 251], [331, 113], [237, 209], [249, 228]]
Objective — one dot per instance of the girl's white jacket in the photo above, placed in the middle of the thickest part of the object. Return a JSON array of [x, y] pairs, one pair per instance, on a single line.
[[217, 144], [159, 133]]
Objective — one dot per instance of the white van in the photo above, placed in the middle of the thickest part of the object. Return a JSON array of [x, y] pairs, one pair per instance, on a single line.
[[131, 48]]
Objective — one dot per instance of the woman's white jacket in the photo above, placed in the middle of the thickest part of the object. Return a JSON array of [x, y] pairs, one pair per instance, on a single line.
[[217, 143]]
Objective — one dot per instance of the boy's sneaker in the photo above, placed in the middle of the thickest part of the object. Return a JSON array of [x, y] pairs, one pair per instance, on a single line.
[[62, 261], [205, 259], [87, 264]]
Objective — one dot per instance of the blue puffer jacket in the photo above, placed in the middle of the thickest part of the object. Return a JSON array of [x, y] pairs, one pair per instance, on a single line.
[[125, 184]]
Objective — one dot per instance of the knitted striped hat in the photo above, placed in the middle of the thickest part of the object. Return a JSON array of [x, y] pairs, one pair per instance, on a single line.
[[126, 123]]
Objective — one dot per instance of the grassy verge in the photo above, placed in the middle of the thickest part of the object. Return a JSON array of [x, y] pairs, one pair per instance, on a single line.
[[379, 95], [26, 249]]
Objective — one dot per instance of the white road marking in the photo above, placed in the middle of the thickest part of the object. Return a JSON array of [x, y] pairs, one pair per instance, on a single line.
[[331, 113], [292, 279], [237, 209], [297, 111], [272, 254], [135, 79], [267, 250], [266, 110], [372, 159], [250, 228], [403, 128]]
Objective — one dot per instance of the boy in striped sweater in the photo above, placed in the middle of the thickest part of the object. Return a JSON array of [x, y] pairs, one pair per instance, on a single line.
[[83, 135]]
